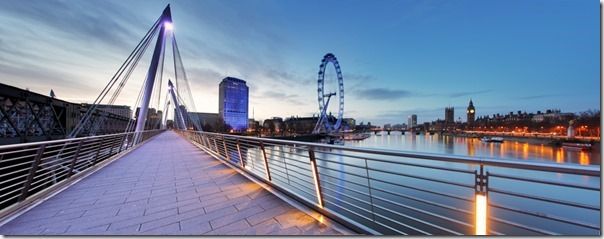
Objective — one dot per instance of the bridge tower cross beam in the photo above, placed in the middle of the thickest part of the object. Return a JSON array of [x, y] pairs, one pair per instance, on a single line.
[[166, 20]]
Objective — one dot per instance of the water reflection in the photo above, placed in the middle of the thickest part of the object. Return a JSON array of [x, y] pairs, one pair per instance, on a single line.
[[385, 190], [470, 150], [475, 147]]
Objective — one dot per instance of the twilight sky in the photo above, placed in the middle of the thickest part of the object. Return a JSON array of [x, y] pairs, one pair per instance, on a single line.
[[398, 57]]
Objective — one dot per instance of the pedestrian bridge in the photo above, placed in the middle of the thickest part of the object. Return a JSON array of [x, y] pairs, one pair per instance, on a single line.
[[199, 183], [167, 186]]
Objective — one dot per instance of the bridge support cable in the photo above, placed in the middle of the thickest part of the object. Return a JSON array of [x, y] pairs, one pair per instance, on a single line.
[[183, 87], [123, 83], [138, 50]]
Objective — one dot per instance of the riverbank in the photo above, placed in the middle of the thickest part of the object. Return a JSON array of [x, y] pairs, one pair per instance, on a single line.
[[552, 141]]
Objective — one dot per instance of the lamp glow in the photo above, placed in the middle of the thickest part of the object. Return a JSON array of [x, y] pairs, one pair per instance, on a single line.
[[313, 168], [168, 26], [481, 214]]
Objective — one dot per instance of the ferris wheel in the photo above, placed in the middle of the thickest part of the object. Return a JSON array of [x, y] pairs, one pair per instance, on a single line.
[[324, 124]]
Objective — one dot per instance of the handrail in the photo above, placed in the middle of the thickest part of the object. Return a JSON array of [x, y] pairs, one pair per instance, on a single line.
[[20, 145], [509, 163], [372, 196]]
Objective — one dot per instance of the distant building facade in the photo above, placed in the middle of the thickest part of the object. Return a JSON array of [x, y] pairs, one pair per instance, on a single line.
[[154, 118], [412, 121], [207, 121], [121, 110], [350, 122], [300, 125], [233, 103], [552, 115], [449, 115], [274, 125], [253, 125]]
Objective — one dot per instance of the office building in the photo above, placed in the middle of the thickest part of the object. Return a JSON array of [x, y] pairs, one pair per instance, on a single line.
[[412, 121], [233, 103]]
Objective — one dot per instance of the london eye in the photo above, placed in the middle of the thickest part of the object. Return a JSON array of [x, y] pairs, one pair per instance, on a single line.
[[324, 97]]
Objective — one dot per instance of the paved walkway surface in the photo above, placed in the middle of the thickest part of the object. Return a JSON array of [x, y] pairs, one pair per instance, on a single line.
[[165, 187]]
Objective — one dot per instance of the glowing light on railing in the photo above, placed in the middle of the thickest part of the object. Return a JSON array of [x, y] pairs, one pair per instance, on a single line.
[[313, 167], [481, 214], [321, 218]]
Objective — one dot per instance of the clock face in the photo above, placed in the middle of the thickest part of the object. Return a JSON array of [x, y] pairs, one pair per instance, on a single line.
[[471, 111]]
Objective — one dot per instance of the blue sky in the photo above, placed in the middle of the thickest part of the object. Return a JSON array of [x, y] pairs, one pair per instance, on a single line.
[[397, 57]]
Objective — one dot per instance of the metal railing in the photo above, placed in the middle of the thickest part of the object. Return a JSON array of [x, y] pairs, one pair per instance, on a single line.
[[29, 169], [394, 192]]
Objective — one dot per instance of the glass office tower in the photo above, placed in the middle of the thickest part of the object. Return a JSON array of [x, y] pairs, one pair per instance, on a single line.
[[233, 103]]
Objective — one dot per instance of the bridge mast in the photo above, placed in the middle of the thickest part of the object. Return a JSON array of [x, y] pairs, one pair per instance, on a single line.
[[166, 20]]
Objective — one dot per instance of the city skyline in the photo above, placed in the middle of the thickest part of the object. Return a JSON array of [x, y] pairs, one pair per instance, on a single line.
[[414, 57]]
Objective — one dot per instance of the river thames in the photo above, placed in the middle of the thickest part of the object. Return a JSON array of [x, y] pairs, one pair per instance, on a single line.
[[452, 145]]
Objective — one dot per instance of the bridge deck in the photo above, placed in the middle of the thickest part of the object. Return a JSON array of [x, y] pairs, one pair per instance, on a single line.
[[165, 187]]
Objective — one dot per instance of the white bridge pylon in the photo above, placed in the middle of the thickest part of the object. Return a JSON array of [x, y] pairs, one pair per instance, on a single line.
[[158, 52]]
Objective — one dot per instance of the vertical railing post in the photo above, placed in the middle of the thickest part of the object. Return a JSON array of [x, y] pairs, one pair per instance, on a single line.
[[216, 146], [481, 201], [132, 143], [127, 141], [32, 172], [110, 149], [369, 189], [285, 165], [98, 151], [240, 155], [315, 176], [268, 173], [75, 158], [226, 151], [122, 143]]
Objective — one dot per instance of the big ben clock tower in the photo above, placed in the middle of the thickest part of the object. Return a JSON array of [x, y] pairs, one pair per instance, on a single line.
[[471, 113]]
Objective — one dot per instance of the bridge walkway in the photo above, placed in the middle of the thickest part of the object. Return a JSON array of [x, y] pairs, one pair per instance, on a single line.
[[165, 187]]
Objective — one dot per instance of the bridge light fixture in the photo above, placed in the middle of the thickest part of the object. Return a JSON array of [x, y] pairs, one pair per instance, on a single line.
[[168, 26], [481, 214]]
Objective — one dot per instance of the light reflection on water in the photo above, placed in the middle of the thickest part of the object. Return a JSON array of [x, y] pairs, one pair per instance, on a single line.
[[345, 184], [475, 147]]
